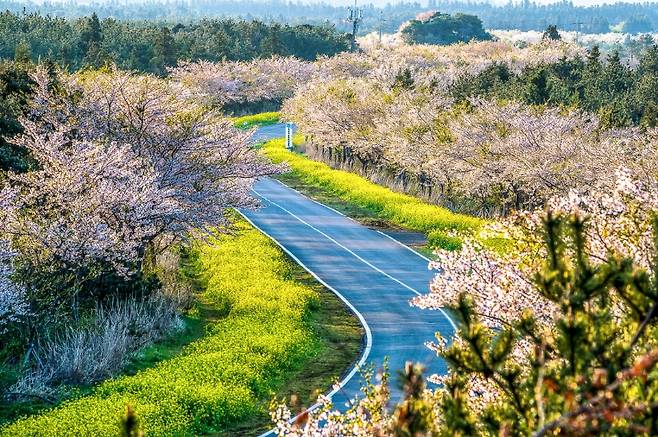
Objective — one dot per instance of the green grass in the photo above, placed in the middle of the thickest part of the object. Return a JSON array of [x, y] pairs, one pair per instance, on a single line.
[[262, 119], [263, 335], [379, 202]]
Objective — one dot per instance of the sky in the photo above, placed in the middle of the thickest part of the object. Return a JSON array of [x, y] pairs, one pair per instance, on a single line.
[[383, 2], [379, 2]]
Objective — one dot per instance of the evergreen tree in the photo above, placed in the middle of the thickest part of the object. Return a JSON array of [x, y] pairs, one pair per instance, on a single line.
[[23, 52], [592, 372], [15, 89], [164, 51], [551, 33], [445, 29], [90, 43], [271, 44], [404, 80], [91, 33]]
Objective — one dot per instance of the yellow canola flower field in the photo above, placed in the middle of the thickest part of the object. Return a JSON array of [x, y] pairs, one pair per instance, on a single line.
[[221, 378]]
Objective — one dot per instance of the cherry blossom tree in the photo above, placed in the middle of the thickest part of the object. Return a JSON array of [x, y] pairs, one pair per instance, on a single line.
[[14, 306], [126, 165], [620, 220], [440, 66], [483, 157], [519, 156], [240, 82], [13, 301]]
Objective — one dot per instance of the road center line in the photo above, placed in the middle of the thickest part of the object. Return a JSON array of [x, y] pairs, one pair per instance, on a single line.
[[445, 314], [351, 219], [405, 246]]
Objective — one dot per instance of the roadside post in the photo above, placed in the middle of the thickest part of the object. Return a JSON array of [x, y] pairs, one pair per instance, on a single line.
[[289, 129]]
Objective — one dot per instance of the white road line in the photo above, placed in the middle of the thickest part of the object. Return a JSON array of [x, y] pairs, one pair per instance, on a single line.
[[405, 246], [445, 314], [315, 201], [366, 327], [350, 218]]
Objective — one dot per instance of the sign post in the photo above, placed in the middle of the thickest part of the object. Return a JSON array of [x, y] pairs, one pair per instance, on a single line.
[[289, 131]]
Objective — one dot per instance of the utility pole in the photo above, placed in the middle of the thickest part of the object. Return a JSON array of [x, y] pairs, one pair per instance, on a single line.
[[381, 25], [355, 17], [578, 24]]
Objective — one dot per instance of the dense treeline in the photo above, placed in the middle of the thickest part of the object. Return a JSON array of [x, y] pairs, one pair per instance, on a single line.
[[15, 88], [620, 95], [389, 17], [526, 15], [443, 29], [628, 17], [152, 47]]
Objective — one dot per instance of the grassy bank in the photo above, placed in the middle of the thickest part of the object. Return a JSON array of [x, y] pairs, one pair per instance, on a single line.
[[374, 200], [169, 347], [266, 331], [262, 119]]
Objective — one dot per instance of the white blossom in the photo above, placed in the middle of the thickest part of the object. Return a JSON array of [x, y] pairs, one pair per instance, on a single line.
[[128, 163], [228, 82]]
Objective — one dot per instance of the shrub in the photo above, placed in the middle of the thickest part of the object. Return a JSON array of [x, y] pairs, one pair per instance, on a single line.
[[220, 378], [91, 353]]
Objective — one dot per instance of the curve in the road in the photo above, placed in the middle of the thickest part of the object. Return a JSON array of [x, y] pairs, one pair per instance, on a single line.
[[370, 271], [374, 274], [368, 344], [346, 249]]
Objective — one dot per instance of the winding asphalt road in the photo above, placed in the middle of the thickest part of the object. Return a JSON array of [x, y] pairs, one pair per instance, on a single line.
[[373, 273]]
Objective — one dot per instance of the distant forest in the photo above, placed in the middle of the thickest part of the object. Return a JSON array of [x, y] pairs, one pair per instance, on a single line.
[[526, 15], [152, 46]]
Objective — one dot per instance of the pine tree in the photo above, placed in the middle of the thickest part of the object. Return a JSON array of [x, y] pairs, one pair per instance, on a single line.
[[551, 33], [164, 51], [404, 80], [593, 372], [90, 42], [23, 52]]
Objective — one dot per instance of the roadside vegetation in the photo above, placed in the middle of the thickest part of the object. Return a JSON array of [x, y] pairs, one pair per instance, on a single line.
[[107, 176], [93, 314], [256, 120], [482, 128], [557, 333], [555, 337], [396, 208], [264, 334]]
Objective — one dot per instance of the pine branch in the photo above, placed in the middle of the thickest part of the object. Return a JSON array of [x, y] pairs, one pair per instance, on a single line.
[[599, 406]]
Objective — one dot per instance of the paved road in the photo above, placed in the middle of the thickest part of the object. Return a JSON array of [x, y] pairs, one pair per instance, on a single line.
[[268, 132], [373, 273]]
